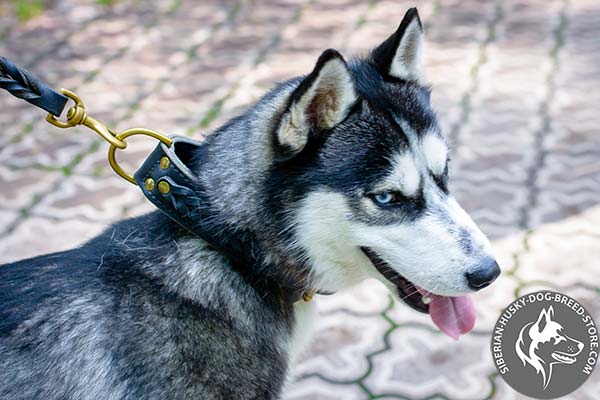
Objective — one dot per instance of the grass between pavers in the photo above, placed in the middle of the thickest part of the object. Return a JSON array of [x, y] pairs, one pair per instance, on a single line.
[[25, 10], [466, 108], [540, 136]]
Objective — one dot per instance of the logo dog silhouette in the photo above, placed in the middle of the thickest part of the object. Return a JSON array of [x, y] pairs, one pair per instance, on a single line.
[[543, 343]]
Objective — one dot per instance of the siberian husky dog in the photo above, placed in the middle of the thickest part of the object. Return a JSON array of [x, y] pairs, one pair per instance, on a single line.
[[329, 179]]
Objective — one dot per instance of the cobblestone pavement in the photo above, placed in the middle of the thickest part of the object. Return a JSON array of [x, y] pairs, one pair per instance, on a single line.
[[516, 84]]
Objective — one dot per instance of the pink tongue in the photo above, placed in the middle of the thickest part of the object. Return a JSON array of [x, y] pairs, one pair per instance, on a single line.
[[453, 315]]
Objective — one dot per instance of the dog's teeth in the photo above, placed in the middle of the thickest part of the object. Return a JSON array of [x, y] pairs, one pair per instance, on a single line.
[[426, 299]]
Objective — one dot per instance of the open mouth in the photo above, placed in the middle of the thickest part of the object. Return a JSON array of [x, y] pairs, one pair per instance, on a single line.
[[407, 290], [454, 315], [563, 358]]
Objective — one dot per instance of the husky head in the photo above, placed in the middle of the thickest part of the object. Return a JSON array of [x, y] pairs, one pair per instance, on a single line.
[[543, 343], [345, 172]]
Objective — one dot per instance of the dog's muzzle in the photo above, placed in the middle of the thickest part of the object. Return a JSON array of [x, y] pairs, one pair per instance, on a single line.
[[407, 290]]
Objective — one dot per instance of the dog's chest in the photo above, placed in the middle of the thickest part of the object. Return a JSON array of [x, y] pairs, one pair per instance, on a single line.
[[305, 315]]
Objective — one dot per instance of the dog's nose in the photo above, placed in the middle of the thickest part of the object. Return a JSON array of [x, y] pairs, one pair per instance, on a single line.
[[487, 272]]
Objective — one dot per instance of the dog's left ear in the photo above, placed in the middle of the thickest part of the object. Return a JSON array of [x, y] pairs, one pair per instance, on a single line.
[[545, 317], [400, 55], [321, 101]]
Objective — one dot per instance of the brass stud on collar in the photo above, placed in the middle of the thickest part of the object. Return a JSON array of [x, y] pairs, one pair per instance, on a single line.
[[308, 295], [165, 162], [149, 184], [164, 187]]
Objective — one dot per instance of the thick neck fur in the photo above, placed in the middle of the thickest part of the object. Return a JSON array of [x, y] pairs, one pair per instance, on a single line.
[[232, 170], [173, 261]]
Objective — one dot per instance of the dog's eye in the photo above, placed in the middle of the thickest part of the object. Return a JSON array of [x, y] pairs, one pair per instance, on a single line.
[[442, 180], [386, 198]]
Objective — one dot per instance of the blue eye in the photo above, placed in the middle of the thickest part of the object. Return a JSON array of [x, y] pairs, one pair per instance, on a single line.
[[384, 198]]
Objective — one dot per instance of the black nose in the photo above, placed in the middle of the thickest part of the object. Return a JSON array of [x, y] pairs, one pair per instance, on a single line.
[[483, 276]]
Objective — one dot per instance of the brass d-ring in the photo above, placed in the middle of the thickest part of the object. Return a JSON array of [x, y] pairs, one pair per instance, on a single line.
[[112, 160]]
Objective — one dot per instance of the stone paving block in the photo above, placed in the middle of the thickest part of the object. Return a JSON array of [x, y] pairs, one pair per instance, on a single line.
[[402, 314], [48, 146], [176, 120], [7, 219], [18, 119], [574, 249], [42, 34], [319, 26], [86, 51], [339, 25], [329, 24], [490, 305], [562, 198], [19, 186], [422, 363], [37, 236], [490, 204], [375, 24], [342, 343], [495, 154], [89, 199], [368, 298], [450, 65], [80, 52], [96, 164], [138, 206], [113, 33], [190, 22], [569, 183], [190, 100], [586, 293], [218, 67], [314, 388], [449, 73]]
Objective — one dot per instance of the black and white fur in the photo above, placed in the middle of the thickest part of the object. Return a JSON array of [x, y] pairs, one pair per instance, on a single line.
[[346, 157]]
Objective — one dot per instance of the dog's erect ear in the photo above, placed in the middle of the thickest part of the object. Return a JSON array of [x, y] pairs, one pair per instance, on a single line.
[[400, 55], [320, 102], [545, 317]]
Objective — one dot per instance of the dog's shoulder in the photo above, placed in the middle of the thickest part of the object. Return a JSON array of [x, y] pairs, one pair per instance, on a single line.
[[134, 307], [28, 285]]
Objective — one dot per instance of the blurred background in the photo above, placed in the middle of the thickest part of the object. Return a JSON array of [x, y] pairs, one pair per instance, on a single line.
[[516, 84]]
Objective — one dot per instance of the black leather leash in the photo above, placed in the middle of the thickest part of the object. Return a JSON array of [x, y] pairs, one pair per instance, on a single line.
[[164, 177], [22, 84]]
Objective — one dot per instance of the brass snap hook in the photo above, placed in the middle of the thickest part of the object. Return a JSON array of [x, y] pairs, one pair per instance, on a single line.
[[78, 116]]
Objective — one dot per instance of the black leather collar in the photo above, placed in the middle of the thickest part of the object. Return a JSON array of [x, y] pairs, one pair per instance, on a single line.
[[171, 186]]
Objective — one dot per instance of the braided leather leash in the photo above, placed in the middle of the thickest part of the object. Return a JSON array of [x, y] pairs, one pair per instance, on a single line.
[[22, 84]]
